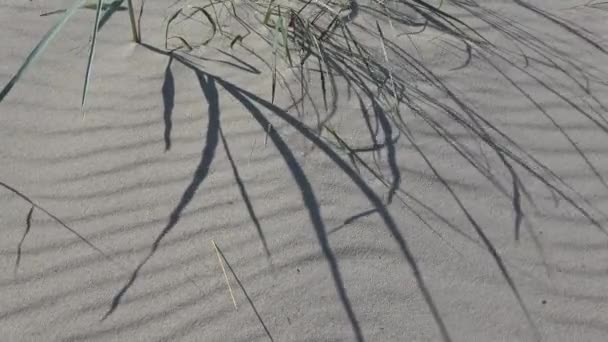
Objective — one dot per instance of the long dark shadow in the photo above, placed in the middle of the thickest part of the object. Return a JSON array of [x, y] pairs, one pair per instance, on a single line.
[[210, 92], [476, 126], [245, 195], [376, 201], [390, 149], [509, 153], [486, 241], [308, 197], [546, 114], [168, 91]]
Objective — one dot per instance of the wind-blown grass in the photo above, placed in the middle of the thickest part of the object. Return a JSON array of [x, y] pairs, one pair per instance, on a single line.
[[40, 48]]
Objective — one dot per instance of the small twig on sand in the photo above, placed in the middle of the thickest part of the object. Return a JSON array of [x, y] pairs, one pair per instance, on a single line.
[[219, 259]]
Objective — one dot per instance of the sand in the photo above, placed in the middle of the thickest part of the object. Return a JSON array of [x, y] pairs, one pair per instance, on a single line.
[[126, 203]]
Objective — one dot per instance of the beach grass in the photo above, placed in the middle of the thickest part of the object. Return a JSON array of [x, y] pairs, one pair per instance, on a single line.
[[101, 10], [294, 29]]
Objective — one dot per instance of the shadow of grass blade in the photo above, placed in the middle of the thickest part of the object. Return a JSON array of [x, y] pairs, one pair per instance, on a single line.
[[109, 10], [275, 51], [40, 47], [87, 75], [214, 25], [236, 39], [173, 17]]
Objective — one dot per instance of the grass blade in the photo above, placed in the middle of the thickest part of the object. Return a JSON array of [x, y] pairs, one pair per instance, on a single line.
[[321, 72], [283, 30], [87, 76], [40, 47], [219, 259], [134, 31]]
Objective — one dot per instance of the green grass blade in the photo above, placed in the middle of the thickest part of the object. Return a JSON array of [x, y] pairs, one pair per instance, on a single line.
[[275, 50], [321, 72], [87, 75], [40, 47], [283, 29]]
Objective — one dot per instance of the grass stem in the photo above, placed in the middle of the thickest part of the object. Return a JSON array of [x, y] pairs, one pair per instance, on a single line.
[[219, 259], [133, 22]]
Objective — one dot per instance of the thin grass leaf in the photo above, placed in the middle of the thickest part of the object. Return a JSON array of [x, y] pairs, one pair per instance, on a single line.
[[386, 60], [283, 30], [40, 47], [321, 72], [91, 6], [87, 76], [219, 259], [323, 87]]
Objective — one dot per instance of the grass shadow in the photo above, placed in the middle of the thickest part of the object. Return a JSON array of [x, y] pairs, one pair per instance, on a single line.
[[200, 174], [168, 93]]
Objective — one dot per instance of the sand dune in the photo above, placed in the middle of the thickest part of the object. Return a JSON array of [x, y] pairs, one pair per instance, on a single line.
[[176, 152]]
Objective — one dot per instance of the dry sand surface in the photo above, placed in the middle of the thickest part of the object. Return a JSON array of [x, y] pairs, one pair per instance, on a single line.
[[127, 202]]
